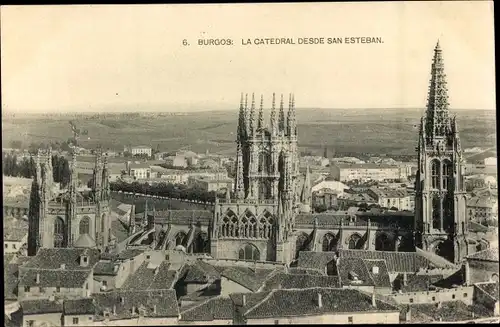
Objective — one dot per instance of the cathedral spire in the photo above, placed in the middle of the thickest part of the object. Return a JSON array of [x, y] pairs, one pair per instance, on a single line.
[[252, 116], [239, 187], [260, 123], [241, 121], [247, 118], [105, 179], [292, 125], [281, 119], [274, 127], [437, 120], [306, 190]]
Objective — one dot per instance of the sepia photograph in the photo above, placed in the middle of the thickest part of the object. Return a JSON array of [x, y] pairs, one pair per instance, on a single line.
[[259, 163]]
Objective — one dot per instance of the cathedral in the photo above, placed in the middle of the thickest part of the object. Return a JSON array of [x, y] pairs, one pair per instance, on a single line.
[[68, 217], [267, 217], [440, 203], [256, 222]]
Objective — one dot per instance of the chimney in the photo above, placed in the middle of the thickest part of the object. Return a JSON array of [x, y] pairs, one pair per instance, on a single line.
[[63, 266], [467, 273], [37, 280], [132, 310], [408, 314], [405, 279], [439, 305], [374, 300], [244, 300], [320, 301], [154, 308], [114, 309]]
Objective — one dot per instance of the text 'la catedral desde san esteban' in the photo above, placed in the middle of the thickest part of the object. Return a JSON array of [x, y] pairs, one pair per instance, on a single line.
[[289, 41]]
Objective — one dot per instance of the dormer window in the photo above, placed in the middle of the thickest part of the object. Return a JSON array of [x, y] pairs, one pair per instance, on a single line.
[[375, 270]]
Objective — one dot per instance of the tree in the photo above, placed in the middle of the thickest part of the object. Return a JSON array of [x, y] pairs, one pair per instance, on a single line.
[[320, 208], [16, 144], [66, 173]]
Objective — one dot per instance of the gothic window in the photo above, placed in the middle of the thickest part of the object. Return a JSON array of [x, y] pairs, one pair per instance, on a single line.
[[244, 227], [436, 212], [85, 225], [103, 220], [200, 243], [249, 252], [355, 242], [383, 243], [435, 173], [328, 243], [301, 242], [59, 232], [447, 174], [262, 228], [179, 238], [264, 162], [233, 227], [448, 215], [253, 227]]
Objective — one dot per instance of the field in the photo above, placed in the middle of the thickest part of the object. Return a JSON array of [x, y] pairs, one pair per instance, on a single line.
[[387, 131]]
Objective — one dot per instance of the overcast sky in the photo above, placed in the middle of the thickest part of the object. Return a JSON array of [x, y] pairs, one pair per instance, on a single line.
[[123, 58]]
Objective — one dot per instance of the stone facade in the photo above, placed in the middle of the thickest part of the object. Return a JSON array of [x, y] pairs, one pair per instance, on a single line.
[[440, 203], [58, 218]]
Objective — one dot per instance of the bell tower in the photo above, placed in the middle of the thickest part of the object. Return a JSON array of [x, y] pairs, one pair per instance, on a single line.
[[440, 200]]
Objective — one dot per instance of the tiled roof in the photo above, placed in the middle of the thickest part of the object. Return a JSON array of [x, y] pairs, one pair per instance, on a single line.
[[54, 278], [457, 278], [54, 257], [140, 279], [380, 278], [251, 299], [8, 258], [201, 272], [315, 260], [119, 230], [476, 228], [485, 255], [289, 303], [124, 301], [218, 308], [449, 311], [84, 241], [246, 277], [396, 261], [306, 271], [106, 268], [10, 275], [129, 254], [31, 307], [79, 306], [416, 283], [389, 192], [185, 216], [325, 218], [489, 288], [288, 281], [165, 278], [353, 271]]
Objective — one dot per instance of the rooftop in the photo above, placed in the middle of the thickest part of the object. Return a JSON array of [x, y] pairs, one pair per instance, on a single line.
[[293, 302], [127, 304], [31, 307], [53, 258], [485, 255], [218, 308], [54, 278], [79, 306]]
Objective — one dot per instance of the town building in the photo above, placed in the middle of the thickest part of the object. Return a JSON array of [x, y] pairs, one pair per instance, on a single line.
[[391, 198], [65, 218], [209, 184], [139, 170], [367, 172], [483, 208], [15, 235], [138, 150]]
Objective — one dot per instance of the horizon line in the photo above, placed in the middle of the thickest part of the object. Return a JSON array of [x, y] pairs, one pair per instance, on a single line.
[[131, 111]]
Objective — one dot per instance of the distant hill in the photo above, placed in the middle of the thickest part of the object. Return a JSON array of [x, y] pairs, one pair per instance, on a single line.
[[388, 131]]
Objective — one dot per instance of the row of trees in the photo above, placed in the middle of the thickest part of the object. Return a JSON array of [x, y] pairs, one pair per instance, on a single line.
[[165, 189], [26, 167]]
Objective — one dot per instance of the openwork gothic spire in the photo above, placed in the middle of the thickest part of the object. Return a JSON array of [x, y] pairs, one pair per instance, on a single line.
[[281, 118], [241, 120], [273, 114], [437, 121], [292, 125], [260, 123], [252, 116]]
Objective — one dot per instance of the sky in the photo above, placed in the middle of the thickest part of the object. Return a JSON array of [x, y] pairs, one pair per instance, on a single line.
[[104, 58]]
